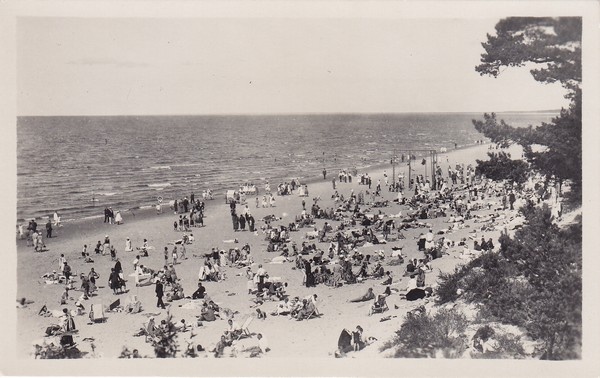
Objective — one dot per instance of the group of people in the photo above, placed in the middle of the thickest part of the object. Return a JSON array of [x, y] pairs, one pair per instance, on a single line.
[[112, 217]]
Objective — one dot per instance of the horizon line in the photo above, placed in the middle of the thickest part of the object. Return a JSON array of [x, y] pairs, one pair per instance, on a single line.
[[289, 114]]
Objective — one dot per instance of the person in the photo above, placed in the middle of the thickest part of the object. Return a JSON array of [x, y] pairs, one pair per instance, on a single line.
[[159, 294], [49, 229], [85, 286], [260, 314], [135, 354], [68, 323], [324, 174], [92, 275], [234, 328], [61, 261], [420, 277], [67, 271], [57, 219], [357, 339], [175, 255], [135, 262], [199, 293], [65, 296], [118, 218], [118, 267], [365, 297], [114, 281], [220, 347], [261, 273], [263, 344], [511, 199], [128, 247], [145, 248], [207, 313], [388, 280]]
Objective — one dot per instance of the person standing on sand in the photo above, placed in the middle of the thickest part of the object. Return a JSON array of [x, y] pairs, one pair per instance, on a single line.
[[324, 174], [242, 222], [235, 220], [257, 202], [49, 229], [333, 183], [92, 275], [128, 247], [56, 219], [106, 215], [175, 255], [159, 295], [62, 261]]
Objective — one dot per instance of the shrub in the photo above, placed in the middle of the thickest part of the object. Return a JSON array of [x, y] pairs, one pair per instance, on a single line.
[[422, 335], [533, 282]]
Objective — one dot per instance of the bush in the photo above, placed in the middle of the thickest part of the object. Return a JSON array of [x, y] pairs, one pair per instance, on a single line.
[[165, 341], [533, 282], [506, 346], [422, 335]]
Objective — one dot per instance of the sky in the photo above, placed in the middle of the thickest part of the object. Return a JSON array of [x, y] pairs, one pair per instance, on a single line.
[[147, 66]]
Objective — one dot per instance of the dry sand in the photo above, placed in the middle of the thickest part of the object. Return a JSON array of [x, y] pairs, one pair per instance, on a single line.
[[315, 338]]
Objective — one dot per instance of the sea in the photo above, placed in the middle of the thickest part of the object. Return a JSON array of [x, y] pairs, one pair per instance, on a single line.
[[78, 165]]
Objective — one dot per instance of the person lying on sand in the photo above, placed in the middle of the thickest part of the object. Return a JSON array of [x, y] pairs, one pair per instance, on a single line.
[[366, 297]]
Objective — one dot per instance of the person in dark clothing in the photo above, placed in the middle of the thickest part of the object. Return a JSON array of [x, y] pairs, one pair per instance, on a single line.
[[159, 295], [242, 221], [236, 221], [310, 280], [324, 174], [199, 293], [49, 229], [511, 200], [106, 215], [250, 221], [118, 267], [114, 281], [67, 271]]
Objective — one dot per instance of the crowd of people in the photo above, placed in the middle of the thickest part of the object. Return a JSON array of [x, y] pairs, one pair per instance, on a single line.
[[330, 250]]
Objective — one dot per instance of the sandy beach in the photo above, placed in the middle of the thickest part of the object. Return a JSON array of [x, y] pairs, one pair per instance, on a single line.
[[313, 338]]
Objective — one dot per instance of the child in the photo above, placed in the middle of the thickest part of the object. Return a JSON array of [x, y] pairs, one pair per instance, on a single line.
[[260, 314]]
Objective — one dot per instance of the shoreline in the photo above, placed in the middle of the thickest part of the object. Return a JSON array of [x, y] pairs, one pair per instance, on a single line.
[[311, 179]]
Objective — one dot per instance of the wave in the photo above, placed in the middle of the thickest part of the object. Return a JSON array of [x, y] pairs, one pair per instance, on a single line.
[[160, 185], [161, 167], [109, 194]]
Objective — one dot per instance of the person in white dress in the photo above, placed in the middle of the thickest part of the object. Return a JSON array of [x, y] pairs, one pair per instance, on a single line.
[[128, 247], [118, 218], [56, 219]]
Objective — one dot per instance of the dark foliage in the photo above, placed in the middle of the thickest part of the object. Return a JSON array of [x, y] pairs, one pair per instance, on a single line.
[[501, 167], [554, 45], [425, 336], [165, 341], [533, 282]]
